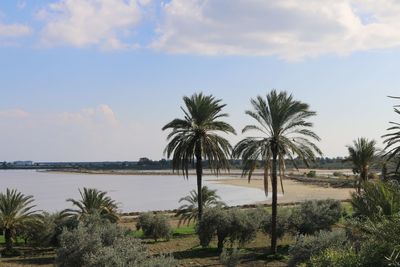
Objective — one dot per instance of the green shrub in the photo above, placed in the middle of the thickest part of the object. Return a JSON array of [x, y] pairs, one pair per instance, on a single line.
[[235, 224], [338, 174], [312, 174], [100, 243], [154, 226], [307, 246], [336, 257], [230, 259], [312, 216], [282, 224]]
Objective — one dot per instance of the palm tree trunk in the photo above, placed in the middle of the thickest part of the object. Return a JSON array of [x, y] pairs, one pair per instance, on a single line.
[[8, 239], [199, 173], [274, 182]]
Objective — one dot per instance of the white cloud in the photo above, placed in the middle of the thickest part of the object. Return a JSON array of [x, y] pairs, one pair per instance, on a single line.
[[14, 30], [81, 23], [290, 29]]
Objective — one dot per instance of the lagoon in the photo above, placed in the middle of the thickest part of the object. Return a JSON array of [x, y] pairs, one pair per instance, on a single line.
[[132, 192]]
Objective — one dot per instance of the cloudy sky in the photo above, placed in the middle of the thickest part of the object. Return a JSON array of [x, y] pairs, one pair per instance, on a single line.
[[93, 80]]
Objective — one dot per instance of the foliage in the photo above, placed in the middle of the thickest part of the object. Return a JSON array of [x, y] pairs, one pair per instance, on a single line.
[[188, 212], [284, 132], [154, 226], [282, 223], [235, 224], [93, 201], [47, 229], [312, 174], [338, 174], [336, 257], [377, 199], [230, 258], [307, 246], [381, 238], [315, 215], [362, 154], [196, 136], [97, 242], [392, 140], [16, 214]]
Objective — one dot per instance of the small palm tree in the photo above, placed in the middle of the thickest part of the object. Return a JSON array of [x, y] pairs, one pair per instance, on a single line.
[[284, 133], [16, 212], [196, 137], [94, 201], [188, 212], [362, 154]]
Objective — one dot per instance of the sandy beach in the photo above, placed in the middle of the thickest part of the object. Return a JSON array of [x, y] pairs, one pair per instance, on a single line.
[[294, 191]]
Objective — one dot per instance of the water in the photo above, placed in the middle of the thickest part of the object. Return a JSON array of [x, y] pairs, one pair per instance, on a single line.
[[132, 192]]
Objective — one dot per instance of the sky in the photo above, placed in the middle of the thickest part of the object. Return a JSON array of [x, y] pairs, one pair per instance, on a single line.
[[96, 80]]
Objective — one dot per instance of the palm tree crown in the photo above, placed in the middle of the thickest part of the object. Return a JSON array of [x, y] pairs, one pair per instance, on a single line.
[[392, 142], [362, 154], [16, 211], [94, 201], [196, 137], [188, 211], [284, 133]]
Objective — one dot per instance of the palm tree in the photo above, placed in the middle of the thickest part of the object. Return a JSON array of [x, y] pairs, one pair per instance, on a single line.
[[392, 142], [188, 212], [93, 201], [284, 133], [15, 213], [362, 154], [196, 137]]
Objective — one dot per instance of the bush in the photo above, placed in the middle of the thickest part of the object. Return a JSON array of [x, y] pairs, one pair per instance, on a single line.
[[97, 242], [312, 216], [282, 223], [336, 257], [235, 224], [230, 259], [307, 246], [312, 174], [154, 226], [338, 174]]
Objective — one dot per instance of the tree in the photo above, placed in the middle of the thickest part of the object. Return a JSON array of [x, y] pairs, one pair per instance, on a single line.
[[284, 134], [94, 201], [16, 212], [392, 141], [196, 137], [362, 154], [188, 212]]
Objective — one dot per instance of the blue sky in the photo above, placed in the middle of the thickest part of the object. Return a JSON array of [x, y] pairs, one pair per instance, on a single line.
[[96, 80]]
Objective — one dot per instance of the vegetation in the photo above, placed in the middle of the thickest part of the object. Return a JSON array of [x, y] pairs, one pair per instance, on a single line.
[[188, 212], [362, 154], [312, 216], [195, 136], [98, 242], [16, 214], [155, 226], [93, 201], [285, 132]]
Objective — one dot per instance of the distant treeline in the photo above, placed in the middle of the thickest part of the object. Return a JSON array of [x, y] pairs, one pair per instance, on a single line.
[[163, 164]]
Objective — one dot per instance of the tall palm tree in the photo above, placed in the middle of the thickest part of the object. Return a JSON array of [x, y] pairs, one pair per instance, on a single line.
[[362, 154], [16, 211], [189, 211], [196, 137], [93, 201], [392, 141], [284, 133]]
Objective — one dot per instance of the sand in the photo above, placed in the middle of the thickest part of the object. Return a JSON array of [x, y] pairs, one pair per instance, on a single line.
[[294, 191]]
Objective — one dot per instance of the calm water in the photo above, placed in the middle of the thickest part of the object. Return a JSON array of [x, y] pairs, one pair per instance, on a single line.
[[133, 192]]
